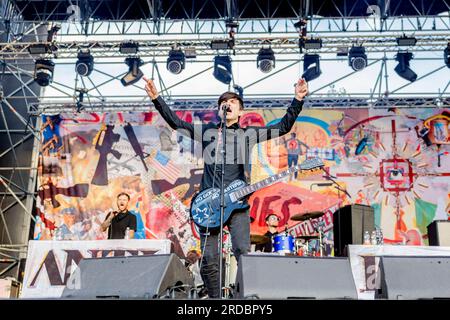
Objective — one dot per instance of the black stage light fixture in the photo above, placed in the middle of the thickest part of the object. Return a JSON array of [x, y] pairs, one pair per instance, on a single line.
[[311, 67], [134, 73], [222, 69], [265, 60], [312, 43], [357, 58], [221, 44], [176, 61], [39, 48], [43, 72], [85, 63], [403, 69], [406, 41], [447, 55], [129, 47]]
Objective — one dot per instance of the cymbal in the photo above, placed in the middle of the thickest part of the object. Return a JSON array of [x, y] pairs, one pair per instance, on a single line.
[[308, 237], [307, 216], [258, 239]]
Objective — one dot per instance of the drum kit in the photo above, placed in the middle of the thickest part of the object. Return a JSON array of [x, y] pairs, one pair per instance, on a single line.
[[286, 244]]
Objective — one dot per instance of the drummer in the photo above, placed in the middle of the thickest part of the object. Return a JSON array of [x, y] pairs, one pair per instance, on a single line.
[[272, 221]]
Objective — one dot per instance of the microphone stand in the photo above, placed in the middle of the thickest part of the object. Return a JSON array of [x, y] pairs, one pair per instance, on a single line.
[[222, 197]]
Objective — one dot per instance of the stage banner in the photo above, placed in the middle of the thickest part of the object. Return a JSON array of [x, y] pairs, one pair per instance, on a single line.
[[364, 260], [50, 263], [395, 160]]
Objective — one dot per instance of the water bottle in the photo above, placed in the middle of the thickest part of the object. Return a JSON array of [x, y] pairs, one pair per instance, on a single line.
[[366, 238], [380, 237], [374, 238], [127, 233]]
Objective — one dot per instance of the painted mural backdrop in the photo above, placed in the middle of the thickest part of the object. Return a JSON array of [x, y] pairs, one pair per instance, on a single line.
[[395, 160]]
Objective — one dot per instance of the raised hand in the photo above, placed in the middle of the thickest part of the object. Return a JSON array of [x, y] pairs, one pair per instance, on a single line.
[[301, 89], [150, 88]]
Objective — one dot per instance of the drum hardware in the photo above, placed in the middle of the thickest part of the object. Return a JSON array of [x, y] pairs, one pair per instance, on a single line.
[[318, 228], [258, 239], [307, 216]]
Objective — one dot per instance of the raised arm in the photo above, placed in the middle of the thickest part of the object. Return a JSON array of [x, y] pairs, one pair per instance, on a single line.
[[186, 128], [286, 123]]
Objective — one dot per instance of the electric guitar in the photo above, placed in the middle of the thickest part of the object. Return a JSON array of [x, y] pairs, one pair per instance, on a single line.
[[205, 206]]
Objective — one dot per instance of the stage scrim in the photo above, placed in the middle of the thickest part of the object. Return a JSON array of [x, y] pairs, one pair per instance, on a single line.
[[395, 160]]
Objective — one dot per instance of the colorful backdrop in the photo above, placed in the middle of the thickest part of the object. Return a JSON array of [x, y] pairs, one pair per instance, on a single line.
[[395, 160]]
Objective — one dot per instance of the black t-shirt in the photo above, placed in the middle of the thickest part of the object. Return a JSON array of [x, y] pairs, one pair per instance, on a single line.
[[266, 247], [120, 223]]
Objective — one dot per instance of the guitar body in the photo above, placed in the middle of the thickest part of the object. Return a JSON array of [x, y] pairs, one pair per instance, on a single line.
[[205, 206]]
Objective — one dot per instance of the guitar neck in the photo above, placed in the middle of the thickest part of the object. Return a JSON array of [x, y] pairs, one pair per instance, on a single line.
[[241, 193]]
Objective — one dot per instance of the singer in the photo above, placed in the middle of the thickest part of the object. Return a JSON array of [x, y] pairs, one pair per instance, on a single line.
[[117, 222], [239, 143]]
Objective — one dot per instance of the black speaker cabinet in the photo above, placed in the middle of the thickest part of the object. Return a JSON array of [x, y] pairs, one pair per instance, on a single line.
[[349, 224], [142, 277], [273, 276], [439, 233], [414, 277]]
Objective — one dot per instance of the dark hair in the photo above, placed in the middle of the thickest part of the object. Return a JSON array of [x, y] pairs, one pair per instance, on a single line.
[[124, 194], [230, 95]]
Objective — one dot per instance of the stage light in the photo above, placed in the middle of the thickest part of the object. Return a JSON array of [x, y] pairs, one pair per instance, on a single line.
[[43, 72], [265, 60], [129, 47], [39, 48], [239, 90], [311, 67], [134, 73], [403, 69], [447, 55], [222, 69], [357, 58], [221, 44], [406, 41], [311, 43], [85, 63], [176, 61]]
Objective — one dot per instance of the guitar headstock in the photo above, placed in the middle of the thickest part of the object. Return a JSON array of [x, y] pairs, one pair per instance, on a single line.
[[312, 163]]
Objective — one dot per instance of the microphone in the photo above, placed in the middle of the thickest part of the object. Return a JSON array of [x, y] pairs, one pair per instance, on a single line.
[[226, 107]]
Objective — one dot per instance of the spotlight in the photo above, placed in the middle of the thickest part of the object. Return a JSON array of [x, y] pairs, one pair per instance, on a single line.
[[39, 48], [85, 63], [403, 69], [134, 73], [43, 72], [447, 55], [221, 44], [406, 41], [310, 43], [311, 67], [239, 90], [357, 58], [222, 69], [129, 47], [176, 61], [265, 60]]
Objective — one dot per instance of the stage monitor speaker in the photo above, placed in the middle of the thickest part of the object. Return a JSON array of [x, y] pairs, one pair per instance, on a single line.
[[439, 233], [142, 277], [414, 277], [290, 277], [349, 224]]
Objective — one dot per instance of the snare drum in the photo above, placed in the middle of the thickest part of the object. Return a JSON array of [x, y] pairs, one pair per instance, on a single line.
[[283, 244]]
